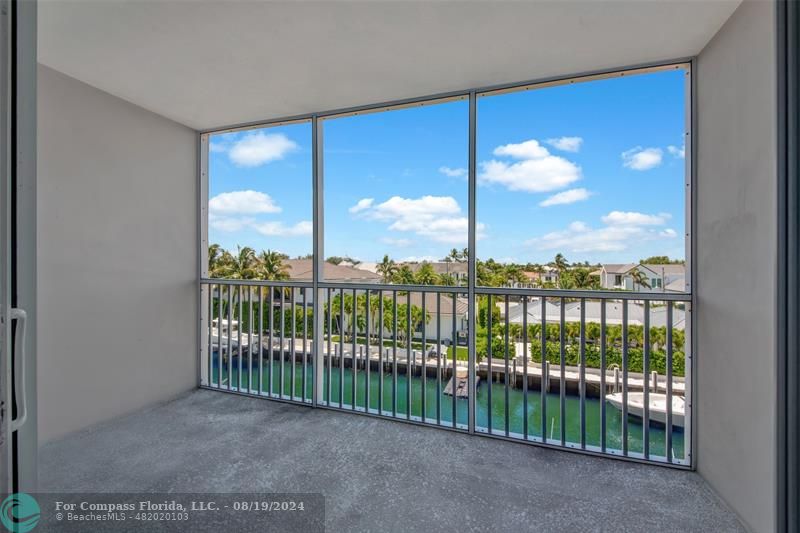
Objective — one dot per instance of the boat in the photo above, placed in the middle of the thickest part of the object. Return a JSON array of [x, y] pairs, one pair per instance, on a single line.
[[658, 406]]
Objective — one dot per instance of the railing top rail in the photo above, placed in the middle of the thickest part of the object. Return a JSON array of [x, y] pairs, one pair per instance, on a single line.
[[445, 289], [589, 294], [255, 282]]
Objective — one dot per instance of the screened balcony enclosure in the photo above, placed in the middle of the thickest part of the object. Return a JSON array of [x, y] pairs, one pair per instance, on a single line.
[[477, 352], [474, 266]]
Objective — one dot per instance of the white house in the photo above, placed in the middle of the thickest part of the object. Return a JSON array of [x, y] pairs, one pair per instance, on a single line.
[[656, 278]]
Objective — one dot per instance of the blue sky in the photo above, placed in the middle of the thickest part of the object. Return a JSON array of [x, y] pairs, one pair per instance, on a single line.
[[592, 170]]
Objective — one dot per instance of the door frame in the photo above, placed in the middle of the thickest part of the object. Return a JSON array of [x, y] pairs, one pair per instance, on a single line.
[[788, 286], [20, 448]]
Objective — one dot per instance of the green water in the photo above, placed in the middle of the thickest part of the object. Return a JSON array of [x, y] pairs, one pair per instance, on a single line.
[[516, 405]]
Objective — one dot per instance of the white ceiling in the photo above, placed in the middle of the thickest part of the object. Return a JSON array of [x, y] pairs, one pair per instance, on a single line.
[[213, 63]]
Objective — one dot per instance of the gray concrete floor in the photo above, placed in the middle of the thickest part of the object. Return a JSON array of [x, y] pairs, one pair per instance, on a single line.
[[376, 475]]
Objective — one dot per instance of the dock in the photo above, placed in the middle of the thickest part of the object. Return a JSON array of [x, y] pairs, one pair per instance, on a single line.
[[461, 383], [420, 362]]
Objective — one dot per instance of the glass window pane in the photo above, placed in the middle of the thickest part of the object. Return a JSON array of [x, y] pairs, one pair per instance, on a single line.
[[396, 195], [260, 203], [582, 185]]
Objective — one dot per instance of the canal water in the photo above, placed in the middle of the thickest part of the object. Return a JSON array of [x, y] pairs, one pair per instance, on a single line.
[[516, 405]]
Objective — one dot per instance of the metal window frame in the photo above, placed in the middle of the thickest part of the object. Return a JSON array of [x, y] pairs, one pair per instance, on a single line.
[[319, 284], [787, 327]]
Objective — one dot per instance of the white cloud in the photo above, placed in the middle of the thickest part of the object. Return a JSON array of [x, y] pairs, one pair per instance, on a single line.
[[400, 243], [242, 203], [639, 158], [622, 230], [410, 210], [453, 172], [258, 148], [530, 149], [228, 224], [567, 144], [364, 203], [678, 152], [537, 170], [278, 229], [567, 197], [632, 218], [437, 218]]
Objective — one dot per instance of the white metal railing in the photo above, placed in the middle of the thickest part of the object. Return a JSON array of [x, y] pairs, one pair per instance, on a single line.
[[603, 372]]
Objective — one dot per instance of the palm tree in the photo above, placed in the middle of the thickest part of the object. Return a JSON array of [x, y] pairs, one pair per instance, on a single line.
[[465, 254], [404, 276], [271, 266], [426, 275], [582, 278], [639, 279], [246, 263], [214, 255], [448, 280], [386, 268], [560, 263]]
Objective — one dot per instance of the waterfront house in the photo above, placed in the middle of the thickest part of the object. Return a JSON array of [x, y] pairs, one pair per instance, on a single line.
[[658, 278]]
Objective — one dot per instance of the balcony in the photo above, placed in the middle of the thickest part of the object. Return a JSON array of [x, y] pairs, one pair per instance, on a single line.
[[372, 472], [644, 384], [258, 340]]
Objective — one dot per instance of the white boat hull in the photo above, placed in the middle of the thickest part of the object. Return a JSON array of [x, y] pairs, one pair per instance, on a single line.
[[657, 407]]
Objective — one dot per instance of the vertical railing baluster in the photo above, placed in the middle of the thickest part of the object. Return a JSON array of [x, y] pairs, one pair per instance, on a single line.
[[283, 339], [239, 326], [545, 376], [505, 374], [646, 380], [380, 352], [271, 339], [354, 355], [625, 377], [489, 364], [603, 375], [210, 362], [219, 336], [424, 358], [438, 358], [260, 340], [582, 383], [293, 346], [455, 351], [305, 343], [341, 348], [367, 360], [394, 355], [228, 334], [669, 454], [250, 339], [409, 336], [525, 367], [562, 408], [330, 339]]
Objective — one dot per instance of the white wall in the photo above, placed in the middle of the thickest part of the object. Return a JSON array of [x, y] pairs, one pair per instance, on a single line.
[[736, 261], [117, 245]]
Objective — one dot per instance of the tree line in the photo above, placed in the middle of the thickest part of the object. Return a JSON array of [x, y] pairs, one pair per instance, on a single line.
[[270, 265]]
